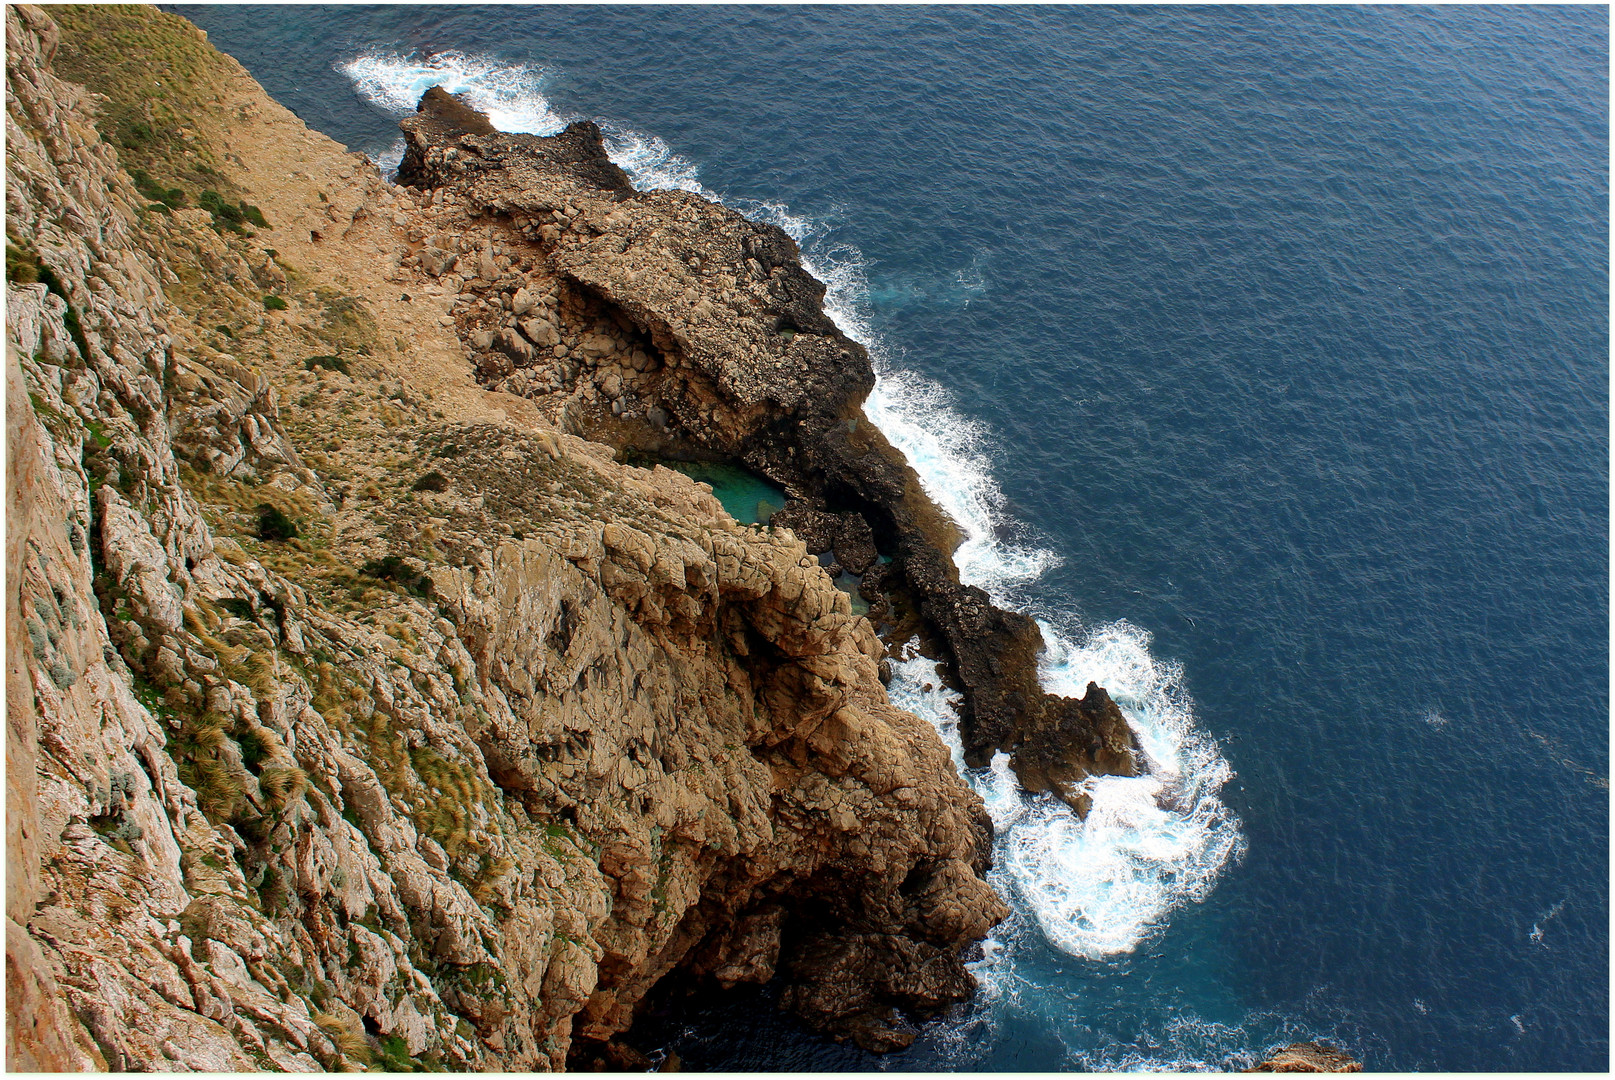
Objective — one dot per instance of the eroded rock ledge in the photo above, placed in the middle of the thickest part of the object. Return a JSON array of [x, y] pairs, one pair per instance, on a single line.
[[661, 322]]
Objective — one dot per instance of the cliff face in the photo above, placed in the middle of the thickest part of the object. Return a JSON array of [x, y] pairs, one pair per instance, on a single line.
[[661, 322], [359, 714]]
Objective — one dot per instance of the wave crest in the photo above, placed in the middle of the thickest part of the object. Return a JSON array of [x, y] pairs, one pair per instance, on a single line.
[[512, 97], [1102, 885], [509, 93]]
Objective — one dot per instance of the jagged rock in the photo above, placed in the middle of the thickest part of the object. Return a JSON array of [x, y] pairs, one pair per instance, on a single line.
[[437, 262], [847, 535], [1085, 737], [751, 368], [1309, 1057], [459, 771]]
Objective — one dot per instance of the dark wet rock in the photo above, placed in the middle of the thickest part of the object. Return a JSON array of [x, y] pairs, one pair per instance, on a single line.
[[847, 535], [815, 528], [445, 113], [1078, 739], [872, 989]]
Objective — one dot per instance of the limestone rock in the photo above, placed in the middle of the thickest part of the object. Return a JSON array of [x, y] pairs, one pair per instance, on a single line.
[[750, 368], [1309, 1057], [312, 766]]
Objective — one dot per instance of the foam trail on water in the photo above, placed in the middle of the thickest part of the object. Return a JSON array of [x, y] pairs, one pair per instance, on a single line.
[[1092, 888], [949, 452]]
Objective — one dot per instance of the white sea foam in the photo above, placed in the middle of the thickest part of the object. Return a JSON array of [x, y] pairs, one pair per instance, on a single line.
[[512, 96], [950, 453], [508, 93], [1092, 888], [1539, 927], [649, 163], [1099, 886], [390, 159]]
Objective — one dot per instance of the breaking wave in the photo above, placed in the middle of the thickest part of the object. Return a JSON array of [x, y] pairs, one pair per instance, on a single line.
[[513, 98]]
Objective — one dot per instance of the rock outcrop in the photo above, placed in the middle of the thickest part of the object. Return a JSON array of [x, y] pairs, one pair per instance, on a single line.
[[1308, 1057], [361, 715], [661, 322]]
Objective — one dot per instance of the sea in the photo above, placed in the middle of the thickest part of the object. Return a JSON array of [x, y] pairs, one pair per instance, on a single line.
[[1262, 355]]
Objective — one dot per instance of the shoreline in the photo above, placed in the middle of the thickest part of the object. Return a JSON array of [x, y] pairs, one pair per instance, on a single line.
[[551, 326], [798, 420], [387, 719]]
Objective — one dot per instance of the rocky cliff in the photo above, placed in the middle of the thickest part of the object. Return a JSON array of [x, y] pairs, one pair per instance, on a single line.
[[660, 322], [363, 709]]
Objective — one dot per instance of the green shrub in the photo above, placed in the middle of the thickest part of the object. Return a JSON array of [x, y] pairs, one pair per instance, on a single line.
[[230, 216], [225, 216], [329, 363], [168, 198], [395, 1055], [274, 303], [274, 525], [432, 481], [392, 568]]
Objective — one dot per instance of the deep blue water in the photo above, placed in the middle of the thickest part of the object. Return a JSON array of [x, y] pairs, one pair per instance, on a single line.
[[1282, 333]]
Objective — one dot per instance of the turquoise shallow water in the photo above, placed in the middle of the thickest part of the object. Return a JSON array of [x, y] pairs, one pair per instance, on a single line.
[[749, 498], [1264, 354]]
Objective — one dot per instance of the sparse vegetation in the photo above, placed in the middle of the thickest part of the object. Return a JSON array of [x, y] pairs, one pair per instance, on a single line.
[[167, 198], [24, 267], [327, 363], [346, 322], [205, 767], [432, 481], [274, 525], [159, 77]]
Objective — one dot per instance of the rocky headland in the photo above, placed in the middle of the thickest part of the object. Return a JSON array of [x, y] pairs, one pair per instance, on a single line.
[[375, 699], [661, 323]]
